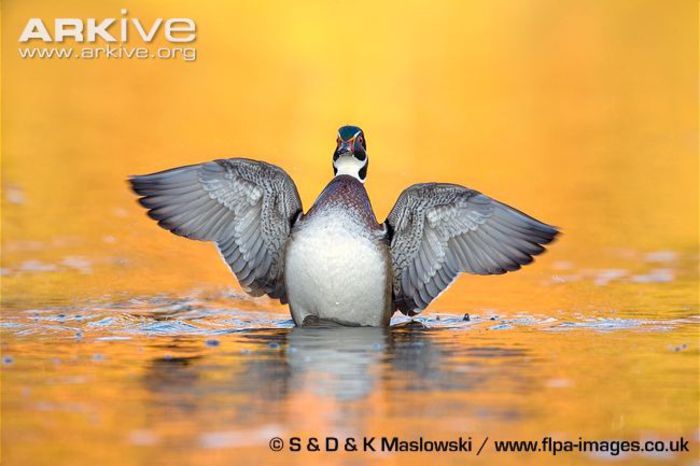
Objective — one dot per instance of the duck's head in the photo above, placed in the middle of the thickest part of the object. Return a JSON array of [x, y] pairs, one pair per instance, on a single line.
[[350, 156]]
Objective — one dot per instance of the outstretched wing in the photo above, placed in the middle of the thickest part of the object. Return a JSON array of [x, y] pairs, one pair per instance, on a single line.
[[246, 207], [440, 230]]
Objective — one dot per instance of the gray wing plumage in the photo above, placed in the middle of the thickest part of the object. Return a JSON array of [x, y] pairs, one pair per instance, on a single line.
[[440, 230], [246, 207]]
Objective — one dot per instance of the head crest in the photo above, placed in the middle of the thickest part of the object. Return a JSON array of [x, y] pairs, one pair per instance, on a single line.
[[348, 132]]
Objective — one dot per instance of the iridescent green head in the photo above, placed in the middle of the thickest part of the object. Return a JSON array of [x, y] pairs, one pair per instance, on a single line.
[[350, 156]]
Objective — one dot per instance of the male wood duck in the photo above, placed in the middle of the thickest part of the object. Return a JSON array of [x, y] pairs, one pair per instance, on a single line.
[[336, 262]]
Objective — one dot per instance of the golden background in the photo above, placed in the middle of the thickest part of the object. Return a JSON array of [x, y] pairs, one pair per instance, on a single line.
[[582, 114]]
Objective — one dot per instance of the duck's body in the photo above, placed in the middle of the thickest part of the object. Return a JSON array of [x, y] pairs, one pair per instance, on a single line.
[[336, 262]]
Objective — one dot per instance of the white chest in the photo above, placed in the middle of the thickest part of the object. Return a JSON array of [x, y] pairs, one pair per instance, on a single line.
[[334, 273]]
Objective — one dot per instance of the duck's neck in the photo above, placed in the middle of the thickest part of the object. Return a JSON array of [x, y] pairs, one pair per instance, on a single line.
[[349, 165]]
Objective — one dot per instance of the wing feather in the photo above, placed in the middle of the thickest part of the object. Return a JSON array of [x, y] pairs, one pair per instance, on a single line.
[[440, 230], [244, 206]]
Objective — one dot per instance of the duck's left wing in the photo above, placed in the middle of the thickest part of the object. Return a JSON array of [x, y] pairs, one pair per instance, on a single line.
[[246, 207], [439, 230]]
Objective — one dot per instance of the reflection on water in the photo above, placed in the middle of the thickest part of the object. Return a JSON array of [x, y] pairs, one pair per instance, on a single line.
[[174, 380], [348, 363], [336, 362]]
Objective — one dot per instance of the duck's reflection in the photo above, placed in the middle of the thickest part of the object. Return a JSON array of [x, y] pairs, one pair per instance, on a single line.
[[339, 363]]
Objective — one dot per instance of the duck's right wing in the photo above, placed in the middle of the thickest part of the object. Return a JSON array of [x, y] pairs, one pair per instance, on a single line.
[[246, 207]]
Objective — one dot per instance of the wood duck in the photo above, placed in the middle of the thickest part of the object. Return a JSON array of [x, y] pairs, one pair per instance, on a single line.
[[336, 262]]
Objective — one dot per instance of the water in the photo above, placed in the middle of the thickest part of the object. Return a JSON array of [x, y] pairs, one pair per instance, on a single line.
[[173, 380]]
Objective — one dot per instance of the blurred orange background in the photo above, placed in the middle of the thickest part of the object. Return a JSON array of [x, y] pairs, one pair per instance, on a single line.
[[583, 114]]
